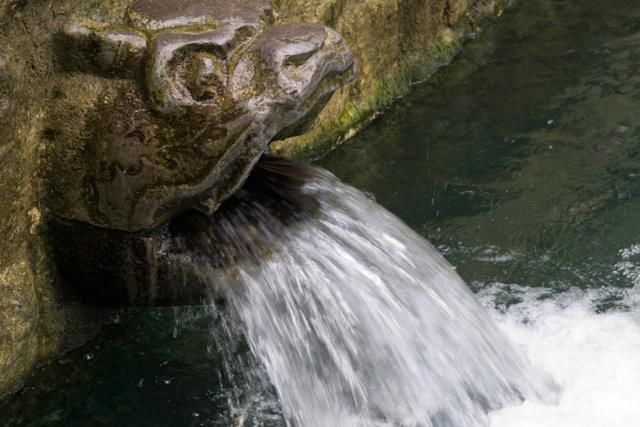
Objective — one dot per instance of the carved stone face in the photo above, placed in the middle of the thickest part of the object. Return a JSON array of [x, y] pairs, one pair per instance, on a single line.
[[168, 107]]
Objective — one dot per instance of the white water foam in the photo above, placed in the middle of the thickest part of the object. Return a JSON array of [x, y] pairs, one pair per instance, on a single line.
[[595, 358]]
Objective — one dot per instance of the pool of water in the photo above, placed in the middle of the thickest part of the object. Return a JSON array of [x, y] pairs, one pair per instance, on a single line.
[[520, 162]]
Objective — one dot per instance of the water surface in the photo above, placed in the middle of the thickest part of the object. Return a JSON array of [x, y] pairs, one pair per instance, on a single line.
[[520, 161]]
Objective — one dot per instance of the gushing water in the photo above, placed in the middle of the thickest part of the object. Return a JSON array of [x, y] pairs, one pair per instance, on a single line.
[[357, 320]]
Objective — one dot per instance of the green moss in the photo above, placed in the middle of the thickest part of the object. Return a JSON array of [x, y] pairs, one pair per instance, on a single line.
[[355, 115], [418, 63]]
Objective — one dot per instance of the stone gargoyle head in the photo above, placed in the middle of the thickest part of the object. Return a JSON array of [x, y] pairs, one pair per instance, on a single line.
[[168, 104]]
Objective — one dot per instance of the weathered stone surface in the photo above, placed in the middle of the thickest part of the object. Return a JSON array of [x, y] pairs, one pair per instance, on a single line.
[[161, 14], [183, 98], [117, 116]]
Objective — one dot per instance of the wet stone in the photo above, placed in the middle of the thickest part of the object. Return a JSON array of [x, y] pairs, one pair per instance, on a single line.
[[157, 15], [166, 110], [174, 105], [91, 46]]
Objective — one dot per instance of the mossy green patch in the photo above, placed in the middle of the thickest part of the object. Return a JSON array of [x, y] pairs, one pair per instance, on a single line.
[[388, 70]]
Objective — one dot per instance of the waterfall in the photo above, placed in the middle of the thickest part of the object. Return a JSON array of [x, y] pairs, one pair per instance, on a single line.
[[356, 319]]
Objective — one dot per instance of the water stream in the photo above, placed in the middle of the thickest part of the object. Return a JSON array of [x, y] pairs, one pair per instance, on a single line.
[[357, 320]]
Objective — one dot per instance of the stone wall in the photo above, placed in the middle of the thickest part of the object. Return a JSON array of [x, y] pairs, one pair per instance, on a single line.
[[398, 43], [21, 290], [36, 319]]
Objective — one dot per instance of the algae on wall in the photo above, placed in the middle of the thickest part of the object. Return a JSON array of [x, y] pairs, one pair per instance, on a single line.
[[20, 294], [397, 43], [35, 320]]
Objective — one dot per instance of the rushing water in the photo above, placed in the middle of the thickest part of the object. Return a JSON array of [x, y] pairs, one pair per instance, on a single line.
[[357, 320], [519, 162]]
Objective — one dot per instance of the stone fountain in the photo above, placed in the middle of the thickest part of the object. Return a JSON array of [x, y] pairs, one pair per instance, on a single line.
[[182, 102], [118, 117]]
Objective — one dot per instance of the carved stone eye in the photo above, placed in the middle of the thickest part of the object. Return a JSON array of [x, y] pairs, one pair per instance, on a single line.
[[295, 53], [188, 70], [205, 77]]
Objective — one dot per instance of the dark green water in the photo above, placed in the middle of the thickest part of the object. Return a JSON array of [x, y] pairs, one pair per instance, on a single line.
[[162, 367], [521, 162]]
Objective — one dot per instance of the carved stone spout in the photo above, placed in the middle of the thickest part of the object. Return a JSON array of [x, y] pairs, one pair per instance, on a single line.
[[163, 107], [180, 99]]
